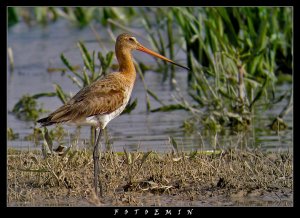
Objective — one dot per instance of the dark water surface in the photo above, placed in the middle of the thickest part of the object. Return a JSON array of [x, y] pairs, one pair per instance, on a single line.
[[35, 49]]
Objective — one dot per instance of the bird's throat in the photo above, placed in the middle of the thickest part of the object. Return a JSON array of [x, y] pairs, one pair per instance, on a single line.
[[126, 65]]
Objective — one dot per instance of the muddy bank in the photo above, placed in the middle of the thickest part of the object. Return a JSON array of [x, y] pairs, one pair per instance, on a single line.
[[228, 178]]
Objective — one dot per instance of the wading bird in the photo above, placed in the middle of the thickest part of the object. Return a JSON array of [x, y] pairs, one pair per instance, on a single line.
[[105, 98]]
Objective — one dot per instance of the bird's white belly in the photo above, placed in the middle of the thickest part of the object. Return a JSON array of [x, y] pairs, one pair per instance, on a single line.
[[100, 120]]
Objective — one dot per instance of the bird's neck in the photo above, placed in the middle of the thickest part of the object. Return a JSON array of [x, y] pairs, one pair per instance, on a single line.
[[126, 65]]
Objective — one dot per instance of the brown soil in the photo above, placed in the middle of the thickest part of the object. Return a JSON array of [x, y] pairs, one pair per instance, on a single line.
[[231, 178]]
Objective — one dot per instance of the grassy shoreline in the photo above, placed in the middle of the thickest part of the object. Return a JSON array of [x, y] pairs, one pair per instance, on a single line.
[[228, 178]]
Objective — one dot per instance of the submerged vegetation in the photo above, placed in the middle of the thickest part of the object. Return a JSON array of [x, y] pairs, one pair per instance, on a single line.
[[236, 55]]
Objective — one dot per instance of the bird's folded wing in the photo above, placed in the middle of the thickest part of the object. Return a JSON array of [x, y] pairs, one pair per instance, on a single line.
[[99, 98]]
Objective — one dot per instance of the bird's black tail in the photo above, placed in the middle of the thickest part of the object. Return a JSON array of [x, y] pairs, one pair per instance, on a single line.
[[46, 121]]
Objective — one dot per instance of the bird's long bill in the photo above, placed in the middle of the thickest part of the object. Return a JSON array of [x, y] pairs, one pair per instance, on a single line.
[[148, 51]]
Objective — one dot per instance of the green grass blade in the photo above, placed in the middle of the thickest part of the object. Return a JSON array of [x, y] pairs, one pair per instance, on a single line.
[[153, 95], [87, 60], [232, 35], [130, 106], [48, 139], [167, 108], [44, 94], [60, 93], [259, 94], [173, 143]]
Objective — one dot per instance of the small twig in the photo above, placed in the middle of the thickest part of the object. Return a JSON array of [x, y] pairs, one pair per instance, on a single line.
[[11, 59], [52, 172]]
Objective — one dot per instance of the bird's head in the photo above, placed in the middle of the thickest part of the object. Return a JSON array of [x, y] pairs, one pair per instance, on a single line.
[[127, 42]]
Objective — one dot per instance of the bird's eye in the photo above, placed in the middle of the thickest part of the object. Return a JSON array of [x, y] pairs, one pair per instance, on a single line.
[[131, 39]]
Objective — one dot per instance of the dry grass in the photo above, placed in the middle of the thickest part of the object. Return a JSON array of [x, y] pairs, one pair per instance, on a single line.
[[233, 177]]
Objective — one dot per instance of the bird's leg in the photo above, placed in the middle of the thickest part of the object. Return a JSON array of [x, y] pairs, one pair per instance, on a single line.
[[96, 164]]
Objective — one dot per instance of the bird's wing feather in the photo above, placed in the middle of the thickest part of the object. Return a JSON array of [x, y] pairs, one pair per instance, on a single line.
[[101, 97]]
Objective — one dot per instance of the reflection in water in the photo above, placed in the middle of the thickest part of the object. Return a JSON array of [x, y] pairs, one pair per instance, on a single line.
[[37, 49]]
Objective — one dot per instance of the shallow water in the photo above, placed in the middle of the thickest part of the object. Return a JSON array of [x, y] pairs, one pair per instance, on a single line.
[[35, 49]]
